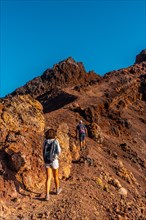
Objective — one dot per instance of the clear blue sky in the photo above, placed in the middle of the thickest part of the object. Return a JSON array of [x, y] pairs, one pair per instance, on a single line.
[[104, 35]]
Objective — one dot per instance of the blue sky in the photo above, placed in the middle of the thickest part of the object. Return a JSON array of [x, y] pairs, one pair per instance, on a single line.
[[104, 35]]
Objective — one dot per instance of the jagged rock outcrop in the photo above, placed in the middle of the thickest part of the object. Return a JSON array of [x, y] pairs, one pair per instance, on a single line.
[[66, 157], [141, 57], [95, 132], [64, 74], [108, 174], [21, 134]]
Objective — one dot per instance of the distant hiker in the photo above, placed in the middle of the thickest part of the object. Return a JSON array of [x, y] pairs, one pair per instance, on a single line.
[[51, 151], [81, 132]]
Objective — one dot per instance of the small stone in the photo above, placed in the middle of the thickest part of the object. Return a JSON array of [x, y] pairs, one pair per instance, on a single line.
[[115, 155], [120, 163], [119, 217], [40, 215], [20, 216], [123, 192], [117, 183]]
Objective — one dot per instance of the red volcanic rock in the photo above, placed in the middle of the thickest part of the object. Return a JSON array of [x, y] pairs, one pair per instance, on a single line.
[[141, 57], [66, 73], [22, 130], [108, 174], [22, 126]]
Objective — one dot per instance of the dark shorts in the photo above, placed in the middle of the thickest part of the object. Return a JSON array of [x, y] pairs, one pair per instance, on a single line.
[[82, 137]]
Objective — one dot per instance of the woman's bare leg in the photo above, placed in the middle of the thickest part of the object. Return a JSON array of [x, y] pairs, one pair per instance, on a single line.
[[56, 178], [48, 179]]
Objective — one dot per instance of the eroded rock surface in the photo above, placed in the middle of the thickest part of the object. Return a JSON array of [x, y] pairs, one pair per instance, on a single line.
[[104, 180]]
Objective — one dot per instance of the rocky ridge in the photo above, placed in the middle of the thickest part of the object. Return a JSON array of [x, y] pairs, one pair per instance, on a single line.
[[106, 180], [66, 73]]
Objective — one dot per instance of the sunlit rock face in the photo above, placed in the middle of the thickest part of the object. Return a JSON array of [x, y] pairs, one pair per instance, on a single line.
[[22, 135], [21, 131]]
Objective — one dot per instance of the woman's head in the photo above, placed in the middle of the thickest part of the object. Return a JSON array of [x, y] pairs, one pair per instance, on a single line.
[[50, 134]]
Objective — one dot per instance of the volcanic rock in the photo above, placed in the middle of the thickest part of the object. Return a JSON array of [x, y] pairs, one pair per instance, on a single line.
[[107, 175], [141, 57], [123, 192], [64, 74]]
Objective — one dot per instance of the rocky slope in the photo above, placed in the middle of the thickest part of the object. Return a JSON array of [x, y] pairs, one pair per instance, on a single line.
[[107, 179]]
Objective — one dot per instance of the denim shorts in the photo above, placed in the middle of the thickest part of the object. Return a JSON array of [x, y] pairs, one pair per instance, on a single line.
[[82, 137], [54, 164]]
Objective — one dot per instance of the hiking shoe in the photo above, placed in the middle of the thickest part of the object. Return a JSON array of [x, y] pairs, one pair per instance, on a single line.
[[82, 148], [58, 191], [47, 197]]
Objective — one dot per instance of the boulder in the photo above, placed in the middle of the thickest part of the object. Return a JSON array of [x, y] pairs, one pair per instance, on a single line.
[[65, 157], [95, 132], [22, 128]]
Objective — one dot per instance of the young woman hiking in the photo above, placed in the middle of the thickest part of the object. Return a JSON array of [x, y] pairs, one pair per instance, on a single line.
[[51, 151]]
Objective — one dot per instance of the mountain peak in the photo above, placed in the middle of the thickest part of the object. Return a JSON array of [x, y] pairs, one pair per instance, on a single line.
[[67, 60], [70, 59], [66, 73], [69, 63]]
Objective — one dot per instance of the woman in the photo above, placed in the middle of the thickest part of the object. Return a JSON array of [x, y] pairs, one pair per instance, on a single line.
[[51, 152]]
